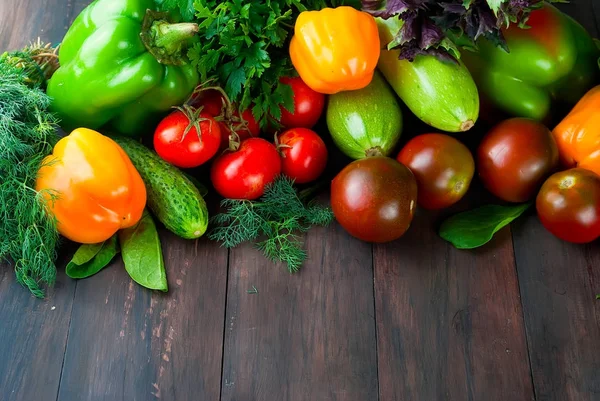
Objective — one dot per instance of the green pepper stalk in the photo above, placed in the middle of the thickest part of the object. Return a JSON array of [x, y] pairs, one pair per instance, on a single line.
[[123, 66]]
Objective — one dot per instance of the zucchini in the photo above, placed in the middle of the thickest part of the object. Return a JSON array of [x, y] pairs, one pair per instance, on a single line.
[[172, 197], [441, 94]]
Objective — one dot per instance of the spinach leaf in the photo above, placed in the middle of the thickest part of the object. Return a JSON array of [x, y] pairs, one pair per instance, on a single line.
[[474, 228], [142, 254], [89, 259]]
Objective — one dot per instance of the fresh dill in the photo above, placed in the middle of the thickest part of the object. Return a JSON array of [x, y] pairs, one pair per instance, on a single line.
[[28, 235], [275, 222]]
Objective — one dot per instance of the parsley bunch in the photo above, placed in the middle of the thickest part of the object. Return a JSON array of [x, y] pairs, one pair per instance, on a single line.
[[275, 222], [244, 46]]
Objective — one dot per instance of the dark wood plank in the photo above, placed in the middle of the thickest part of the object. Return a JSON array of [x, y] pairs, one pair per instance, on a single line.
[[33, 337], [304, 337], [128, 343], [449, 323], [33, 332], [558, 283]]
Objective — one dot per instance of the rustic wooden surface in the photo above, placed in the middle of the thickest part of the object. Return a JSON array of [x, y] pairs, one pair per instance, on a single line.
[[412, 320]]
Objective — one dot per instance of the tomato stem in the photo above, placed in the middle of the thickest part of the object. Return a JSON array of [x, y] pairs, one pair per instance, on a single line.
[[194, 116]]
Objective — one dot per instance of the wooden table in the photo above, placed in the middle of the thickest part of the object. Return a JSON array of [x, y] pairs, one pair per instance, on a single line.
[[412, 320]]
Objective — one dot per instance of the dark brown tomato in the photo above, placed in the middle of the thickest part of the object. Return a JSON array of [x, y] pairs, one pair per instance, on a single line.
[[374, 199], [568, 205], [515, 158], [443, 167]]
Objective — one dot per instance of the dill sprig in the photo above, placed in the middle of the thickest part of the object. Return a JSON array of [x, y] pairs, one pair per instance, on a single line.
[[275, 222], [28, 235]]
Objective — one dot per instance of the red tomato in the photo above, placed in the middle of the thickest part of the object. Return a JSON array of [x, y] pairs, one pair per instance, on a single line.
[[308, 105], [244, 173], [245, 126], [568, 205], [443, 167], [304, 154], [515, 158], [374, 199], [187, 149]]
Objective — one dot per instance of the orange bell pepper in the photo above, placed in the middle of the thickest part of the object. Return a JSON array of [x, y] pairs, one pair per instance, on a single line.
[[578, 134], [335, 49], [91, 187]]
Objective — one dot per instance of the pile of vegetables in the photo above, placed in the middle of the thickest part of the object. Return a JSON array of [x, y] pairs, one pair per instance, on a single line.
[[187, 98]]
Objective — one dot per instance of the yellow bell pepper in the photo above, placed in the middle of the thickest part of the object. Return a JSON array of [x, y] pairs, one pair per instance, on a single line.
[[335, 49], [91, 187]]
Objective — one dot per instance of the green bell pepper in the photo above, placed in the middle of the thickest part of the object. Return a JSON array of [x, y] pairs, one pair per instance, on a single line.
[[123, 66], [551, 64]]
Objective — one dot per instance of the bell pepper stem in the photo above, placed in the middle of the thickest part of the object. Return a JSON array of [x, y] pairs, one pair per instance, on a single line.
[[167, 41], [170, 36]]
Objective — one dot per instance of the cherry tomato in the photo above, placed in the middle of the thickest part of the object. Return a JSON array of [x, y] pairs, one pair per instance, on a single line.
[[443, 167], [308, 105], [303, 154], [374, 199], [177, 140], [568, 205], [244, 125], [244, 173], [515, 158]]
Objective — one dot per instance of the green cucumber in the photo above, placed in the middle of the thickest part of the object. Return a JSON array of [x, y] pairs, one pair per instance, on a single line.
[[442, 94], [172, 197], [366, 121]]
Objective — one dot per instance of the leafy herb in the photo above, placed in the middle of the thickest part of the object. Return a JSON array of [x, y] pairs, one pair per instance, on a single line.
[[91, 258], [274, 222], [28, 235], [244, 47], [477, 227], [598, 296], [142, 254], [184, 7], [430, 25]]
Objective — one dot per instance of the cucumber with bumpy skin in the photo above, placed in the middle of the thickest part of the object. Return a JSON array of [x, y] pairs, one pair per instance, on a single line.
[[172, 197]]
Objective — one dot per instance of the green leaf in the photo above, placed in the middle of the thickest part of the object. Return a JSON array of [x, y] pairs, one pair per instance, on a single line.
[[477, 227], [598, 296], [234, 83], [495, 5], [89, 259], [142, 254]]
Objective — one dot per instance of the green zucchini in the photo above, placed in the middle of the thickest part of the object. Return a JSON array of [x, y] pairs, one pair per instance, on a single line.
[[172, 197], [440, 93]]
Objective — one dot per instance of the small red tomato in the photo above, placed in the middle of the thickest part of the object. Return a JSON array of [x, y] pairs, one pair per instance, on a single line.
[[304, 154], [308, 105], [244, 173], [443, 167], [568, 205], [187, 138], [515, 158], [374, 199]]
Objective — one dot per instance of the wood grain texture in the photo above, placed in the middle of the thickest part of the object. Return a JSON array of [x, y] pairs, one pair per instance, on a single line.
[[33, 337], [127, 343], [558, 283], [449, 323], [33, 333], [303, 337]]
